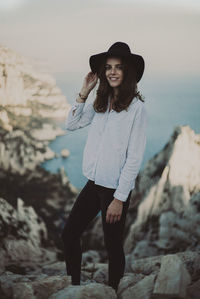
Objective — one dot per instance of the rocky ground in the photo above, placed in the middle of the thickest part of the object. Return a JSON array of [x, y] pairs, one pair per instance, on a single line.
[[163, 276], [162, 233]]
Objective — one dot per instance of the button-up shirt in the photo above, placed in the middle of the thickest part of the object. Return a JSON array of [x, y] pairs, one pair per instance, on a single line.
[[115, 144]]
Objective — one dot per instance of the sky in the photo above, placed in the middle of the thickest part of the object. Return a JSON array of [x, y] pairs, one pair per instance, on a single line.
[[61, 35]]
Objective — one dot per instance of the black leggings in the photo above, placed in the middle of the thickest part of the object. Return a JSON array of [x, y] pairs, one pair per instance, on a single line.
[[92, 199]]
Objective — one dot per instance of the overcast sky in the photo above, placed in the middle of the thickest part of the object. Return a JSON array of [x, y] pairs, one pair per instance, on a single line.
[[62, 34]]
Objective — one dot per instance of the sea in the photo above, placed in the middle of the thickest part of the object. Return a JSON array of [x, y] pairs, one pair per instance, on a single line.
[[170, 101]]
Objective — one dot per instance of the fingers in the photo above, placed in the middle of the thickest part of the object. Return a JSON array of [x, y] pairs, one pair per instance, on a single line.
[[114, 212], [91, 78], [119, 217], [112, 218], [90, 81], [91, 75]]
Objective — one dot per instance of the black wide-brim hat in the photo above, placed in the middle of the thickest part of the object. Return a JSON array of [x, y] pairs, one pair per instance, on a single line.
[[118, 49]]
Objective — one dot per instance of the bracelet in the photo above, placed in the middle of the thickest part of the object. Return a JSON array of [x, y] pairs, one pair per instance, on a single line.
[[82, 97]]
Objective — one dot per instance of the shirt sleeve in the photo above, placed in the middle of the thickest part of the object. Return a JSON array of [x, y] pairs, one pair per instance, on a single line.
[[79, 116], [135, 152]]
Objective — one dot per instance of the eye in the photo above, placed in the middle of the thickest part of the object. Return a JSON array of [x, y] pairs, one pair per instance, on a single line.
[[120, 67], [107, 67]]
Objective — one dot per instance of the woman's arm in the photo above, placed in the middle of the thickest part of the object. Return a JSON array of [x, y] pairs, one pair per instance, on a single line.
[[78, 117], [135, 152]]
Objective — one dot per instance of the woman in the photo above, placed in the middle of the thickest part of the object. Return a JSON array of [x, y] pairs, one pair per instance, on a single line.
[[112, 155]]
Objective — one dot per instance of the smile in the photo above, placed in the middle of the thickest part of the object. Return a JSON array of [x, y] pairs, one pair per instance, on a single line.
[[113, 78]]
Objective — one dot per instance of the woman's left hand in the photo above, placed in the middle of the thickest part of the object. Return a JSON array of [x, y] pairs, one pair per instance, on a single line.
[[114, 211]]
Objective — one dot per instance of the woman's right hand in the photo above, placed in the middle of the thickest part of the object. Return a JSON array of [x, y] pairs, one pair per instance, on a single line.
[[89, 83]]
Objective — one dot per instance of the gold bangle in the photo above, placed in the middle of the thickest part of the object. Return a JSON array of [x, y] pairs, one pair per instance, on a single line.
[[82, 97]]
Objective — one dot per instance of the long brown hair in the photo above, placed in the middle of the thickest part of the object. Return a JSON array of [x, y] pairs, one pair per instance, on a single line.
[[127, 89]]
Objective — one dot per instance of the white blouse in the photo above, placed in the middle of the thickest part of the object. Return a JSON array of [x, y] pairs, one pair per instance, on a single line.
[[115, 144]]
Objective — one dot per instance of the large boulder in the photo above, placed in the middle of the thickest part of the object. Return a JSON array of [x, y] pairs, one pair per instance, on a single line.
[[93, 290], [173, 278]]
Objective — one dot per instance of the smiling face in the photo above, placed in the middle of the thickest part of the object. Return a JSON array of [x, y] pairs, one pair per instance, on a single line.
[[114, 72]]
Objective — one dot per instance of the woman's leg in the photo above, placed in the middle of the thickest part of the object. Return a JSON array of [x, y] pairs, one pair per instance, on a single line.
[[113, 238], [86, 207]]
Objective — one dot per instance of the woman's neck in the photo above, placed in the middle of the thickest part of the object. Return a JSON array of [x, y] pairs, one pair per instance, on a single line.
[[115, 91]]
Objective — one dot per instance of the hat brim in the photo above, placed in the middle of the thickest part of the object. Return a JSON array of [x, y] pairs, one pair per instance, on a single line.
[[95, 62]]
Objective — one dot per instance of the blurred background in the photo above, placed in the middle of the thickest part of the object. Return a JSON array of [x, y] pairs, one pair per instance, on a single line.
[[44, 56], [60, 36]]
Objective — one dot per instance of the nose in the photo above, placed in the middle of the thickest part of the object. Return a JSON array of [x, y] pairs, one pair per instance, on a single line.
[[113, 70]]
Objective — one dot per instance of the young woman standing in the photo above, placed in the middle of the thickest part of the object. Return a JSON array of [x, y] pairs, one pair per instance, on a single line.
[[112, 155]]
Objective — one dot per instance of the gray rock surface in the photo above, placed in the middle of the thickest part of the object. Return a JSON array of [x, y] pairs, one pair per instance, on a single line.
[[128, 280], [50, 280], [29, 101], [93, 290], [173, 278], [31, 286], [35, 203], [65, 153], [141, 290], [23, 234], [24, 87], [193, 291], [167, 216]]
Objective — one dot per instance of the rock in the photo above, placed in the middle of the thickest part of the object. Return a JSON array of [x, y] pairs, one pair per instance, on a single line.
[[193, 291], [51, 202], [101, 275], [50, 280], [40, 287], [19, 153], [152, 264], [146, 265], [7, 280], [90, 256], [144, 249], [23, 235], [65, 181], [94, 272], [173, 278], [27, 89], [127, 281], [23, 290], [47, 132], [35, 203], [65, 153], [92, 290], [169, 192], [4, 120], [44, 288], [191, 261], [128, 263], [54, 268], [142, 289], [26, 216]]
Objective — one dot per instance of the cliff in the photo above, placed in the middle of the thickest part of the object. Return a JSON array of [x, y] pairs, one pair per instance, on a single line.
[[167, 199], [33, 201], [25, 89]]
